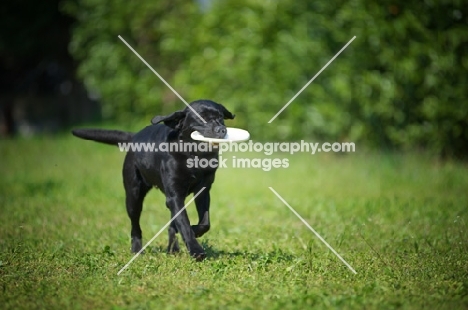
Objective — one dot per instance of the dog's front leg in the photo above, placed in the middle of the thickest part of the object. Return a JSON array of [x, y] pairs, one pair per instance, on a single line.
[[175, 204], [203, 209]]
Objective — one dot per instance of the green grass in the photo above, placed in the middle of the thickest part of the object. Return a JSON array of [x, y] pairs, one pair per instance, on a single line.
[[399, 220]]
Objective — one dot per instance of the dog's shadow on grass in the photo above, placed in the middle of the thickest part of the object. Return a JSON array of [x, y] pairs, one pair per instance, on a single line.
[[275, 255]]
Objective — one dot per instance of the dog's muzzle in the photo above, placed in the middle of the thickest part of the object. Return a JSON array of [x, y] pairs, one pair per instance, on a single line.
[[220, 131]]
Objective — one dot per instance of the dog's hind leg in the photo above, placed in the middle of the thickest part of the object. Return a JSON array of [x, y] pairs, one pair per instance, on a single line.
[[135, 190], [173, 246]]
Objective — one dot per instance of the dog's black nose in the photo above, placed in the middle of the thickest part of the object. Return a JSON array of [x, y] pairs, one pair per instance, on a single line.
[[220, 130]]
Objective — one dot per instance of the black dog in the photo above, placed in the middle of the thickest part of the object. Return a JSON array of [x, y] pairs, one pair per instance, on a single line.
[[169, 171]]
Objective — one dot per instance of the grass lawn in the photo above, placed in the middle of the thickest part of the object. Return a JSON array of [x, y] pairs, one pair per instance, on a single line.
[[399, 220]]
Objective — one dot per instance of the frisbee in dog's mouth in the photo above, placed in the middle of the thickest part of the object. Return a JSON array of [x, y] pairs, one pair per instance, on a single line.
[[232, 135]]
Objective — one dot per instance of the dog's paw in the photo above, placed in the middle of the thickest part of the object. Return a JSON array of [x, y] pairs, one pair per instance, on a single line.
[[197, 252], [200, 230], [198, 256], [136, 245]]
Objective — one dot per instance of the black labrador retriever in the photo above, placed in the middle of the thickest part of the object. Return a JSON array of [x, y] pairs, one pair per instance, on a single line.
[[169, 171]]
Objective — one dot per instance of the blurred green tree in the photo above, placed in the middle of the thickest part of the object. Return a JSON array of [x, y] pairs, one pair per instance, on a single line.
[[126, 87], [401, 83]]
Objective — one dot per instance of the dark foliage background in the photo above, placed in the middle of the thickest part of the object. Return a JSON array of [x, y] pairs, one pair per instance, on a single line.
[[401, 84]]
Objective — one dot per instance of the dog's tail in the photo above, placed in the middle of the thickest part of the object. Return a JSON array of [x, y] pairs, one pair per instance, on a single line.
[[112, 137]]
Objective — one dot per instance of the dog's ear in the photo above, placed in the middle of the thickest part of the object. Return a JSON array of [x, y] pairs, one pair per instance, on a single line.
[[171, 120], [226, 113]]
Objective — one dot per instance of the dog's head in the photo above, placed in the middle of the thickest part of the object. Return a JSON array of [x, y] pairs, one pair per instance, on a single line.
[[186, 121]]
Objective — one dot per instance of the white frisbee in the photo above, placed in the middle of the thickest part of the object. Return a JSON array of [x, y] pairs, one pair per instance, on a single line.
[[232, 135]]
